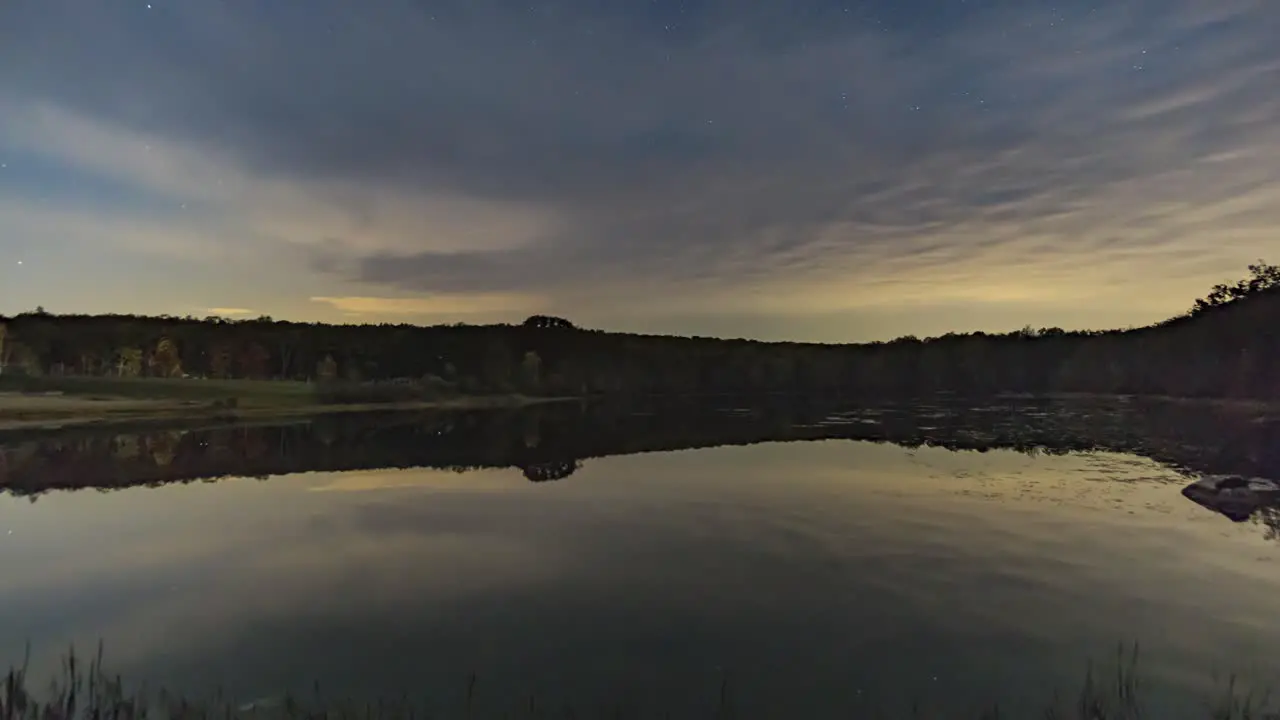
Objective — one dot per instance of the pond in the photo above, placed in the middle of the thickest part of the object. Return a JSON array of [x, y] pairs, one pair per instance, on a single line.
[[789, 561]]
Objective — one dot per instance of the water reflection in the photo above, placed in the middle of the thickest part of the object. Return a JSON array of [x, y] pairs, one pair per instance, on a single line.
[[807, 575], [550, 442]]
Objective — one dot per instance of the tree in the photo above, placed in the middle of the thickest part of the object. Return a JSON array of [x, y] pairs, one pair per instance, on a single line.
[[4, 332], [327, 369], [1224, 347], [129, 362], [88, 362], [1262, 277], [287, 343], [165, 360], [547, 321], [252, 360], [497, 365], [531, 371], [22, 357], [36, 334], [220, 360]]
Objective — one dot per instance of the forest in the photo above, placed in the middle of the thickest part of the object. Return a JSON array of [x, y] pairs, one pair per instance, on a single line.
[[1222, 347]]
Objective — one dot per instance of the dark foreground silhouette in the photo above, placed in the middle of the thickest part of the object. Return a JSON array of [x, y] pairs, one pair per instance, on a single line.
[[85, 691], [550, 442], [1222, 348]]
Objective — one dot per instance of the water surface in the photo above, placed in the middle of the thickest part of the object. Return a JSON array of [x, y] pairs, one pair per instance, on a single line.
[[810, 577]]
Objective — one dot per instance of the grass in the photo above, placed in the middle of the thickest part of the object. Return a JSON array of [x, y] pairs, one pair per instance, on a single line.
[[172, 389], [33, 402], [86, 691]]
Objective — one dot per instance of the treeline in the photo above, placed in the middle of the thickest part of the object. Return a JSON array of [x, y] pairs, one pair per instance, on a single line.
[[1223, 347]]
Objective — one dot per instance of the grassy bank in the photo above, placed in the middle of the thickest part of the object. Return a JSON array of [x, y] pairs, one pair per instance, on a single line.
[[37, 402], [84, 690]]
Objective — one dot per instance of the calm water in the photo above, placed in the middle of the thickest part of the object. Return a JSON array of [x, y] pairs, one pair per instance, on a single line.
[[819, 576]]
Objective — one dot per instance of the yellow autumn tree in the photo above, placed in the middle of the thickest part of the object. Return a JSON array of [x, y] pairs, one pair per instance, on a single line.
[[165, 360]]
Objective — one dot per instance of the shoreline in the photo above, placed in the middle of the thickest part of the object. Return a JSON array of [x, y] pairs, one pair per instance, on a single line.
[[57, 412], [72, 408], [1226, 403]]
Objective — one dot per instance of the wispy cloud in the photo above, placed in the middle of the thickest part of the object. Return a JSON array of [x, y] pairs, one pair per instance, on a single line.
[[485, 160], [436, 306]]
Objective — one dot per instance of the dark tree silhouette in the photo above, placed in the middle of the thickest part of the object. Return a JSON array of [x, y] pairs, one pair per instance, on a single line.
[[1262, 278], [554, 470], [1222, 348], [548, 321]]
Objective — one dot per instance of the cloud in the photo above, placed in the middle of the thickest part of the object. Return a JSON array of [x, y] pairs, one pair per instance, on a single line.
[[229, 311], [45, 223], [366, 217], [488, 156], [436, 305]]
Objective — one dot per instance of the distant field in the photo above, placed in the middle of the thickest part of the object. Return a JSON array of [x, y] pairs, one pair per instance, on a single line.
[[19, 403], [253, 392], [53, 402]]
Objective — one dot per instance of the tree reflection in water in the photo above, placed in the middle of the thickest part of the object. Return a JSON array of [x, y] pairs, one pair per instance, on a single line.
[[550, 442]]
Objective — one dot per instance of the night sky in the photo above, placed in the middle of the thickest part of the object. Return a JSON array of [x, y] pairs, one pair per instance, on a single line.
[[781, 170]]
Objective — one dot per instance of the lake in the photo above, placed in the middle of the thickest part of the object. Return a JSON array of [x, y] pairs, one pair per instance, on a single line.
[[799, 560]]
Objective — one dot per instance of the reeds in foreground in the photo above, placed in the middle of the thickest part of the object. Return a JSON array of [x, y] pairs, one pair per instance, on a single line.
[[85, 691]]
